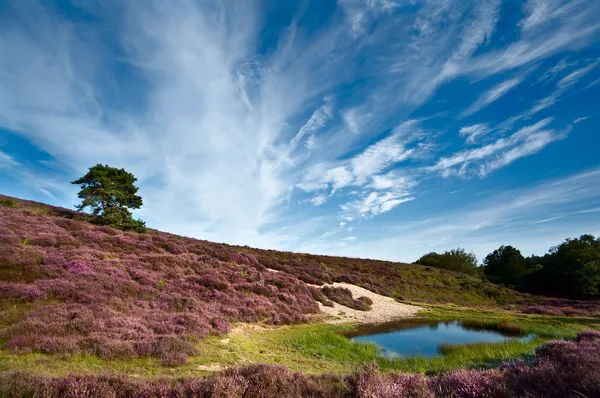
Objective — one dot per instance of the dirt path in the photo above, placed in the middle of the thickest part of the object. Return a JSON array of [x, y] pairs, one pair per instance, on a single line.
[[384, 308]]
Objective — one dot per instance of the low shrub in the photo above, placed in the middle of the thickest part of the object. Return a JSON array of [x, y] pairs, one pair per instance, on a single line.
[[343, 296], [8, 203], [559, 369]]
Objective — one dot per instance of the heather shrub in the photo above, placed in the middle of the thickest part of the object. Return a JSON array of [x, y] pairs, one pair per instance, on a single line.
[[588, 335], [468, 384], [562, 307], [78, 267], [559, 369], [11, 255], [343, 296], [25, 292], [243, 258], [370, 383], [8, 203]]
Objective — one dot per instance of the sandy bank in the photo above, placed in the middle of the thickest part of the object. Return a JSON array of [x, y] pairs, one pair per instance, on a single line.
[[384, 309]]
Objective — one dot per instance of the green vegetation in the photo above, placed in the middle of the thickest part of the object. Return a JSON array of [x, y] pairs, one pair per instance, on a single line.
[[404, 282], [8, 203], [321, 348], [569, 270], [458, 260], [71, 285], [110, 192], [505, 265]]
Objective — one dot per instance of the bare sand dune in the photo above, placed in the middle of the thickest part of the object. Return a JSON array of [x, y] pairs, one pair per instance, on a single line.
[[384, 309]]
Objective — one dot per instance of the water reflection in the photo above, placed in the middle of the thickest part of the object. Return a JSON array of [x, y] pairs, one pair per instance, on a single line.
[[423, 337]]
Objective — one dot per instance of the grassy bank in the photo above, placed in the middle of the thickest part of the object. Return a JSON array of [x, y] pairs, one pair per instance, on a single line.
[[320, 348]]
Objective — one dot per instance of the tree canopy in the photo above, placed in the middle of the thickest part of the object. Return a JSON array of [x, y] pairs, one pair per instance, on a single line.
[[455, 260], [569, 270], [505, 265], [110, 193]]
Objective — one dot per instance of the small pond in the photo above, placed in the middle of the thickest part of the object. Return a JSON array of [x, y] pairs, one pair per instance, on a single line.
[[420, 337]]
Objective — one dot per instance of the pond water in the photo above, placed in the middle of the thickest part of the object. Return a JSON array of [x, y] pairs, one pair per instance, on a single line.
[[419, 337]]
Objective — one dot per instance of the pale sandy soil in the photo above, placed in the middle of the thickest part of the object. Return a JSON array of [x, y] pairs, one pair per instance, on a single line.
[[384, 309]]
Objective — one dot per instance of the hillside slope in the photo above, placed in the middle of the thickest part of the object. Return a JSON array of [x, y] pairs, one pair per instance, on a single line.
[[69, 286]]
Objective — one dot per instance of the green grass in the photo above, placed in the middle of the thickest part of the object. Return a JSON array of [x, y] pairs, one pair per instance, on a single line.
[[550, 327], [319, 348], [350, 355]]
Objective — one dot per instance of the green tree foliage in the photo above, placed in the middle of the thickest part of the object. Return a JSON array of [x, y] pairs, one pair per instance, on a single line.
[[569, 270], [505, 265], [110, 193], [454, 260], [572, 269]]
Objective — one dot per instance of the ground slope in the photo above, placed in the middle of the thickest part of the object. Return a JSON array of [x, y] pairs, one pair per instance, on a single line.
[[67, 286]]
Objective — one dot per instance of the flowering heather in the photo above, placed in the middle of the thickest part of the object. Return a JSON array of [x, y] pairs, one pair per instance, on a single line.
[[562, 307], [121, 294], [559, 369], [343, 296], [467, 384]]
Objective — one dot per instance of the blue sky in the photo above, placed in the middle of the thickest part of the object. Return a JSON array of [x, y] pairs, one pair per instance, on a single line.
[[374, 128]]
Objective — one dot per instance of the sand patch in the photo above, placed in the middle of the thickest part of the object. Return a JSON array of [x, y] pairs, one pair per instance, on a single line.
[[214, 367], [384, 309]]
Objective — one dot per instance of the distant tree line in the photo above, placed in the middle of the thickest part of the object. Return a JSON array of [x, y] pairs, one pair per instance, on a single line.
[[569, 270], [458, 260]]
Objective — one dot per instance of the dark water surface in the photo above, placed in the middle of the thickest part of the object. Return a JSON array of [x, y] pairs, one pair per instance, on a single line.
[[419, 337]]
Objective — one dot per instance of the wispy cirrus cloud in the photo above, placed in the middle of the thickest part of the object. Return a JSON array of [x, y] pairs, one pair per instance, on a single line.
[[561, 88], [474, 132], [540, 12], [271, 129], [7, 160], [551, 73], [381, 190], [501, 217], [491, 95], [483, 160]]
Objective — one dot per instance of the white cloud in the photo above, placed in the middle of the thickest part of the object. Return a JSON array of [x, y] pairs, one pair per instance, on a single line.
[[501, 218], [382, 191], [378, 157], [492, 95], [318, 200], [479, 29], [586, 211], [531, 144], [316, 122], [353, 120], [551, 73], [374, 203], [594, 83], [392, 180], [361, 12], [371, 161], [539, 12], [581, 119], [573, 77], [561, 88], [220, 125], [574, 30], [501, 152], [474, 132], [7, 160], [210, 141]]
